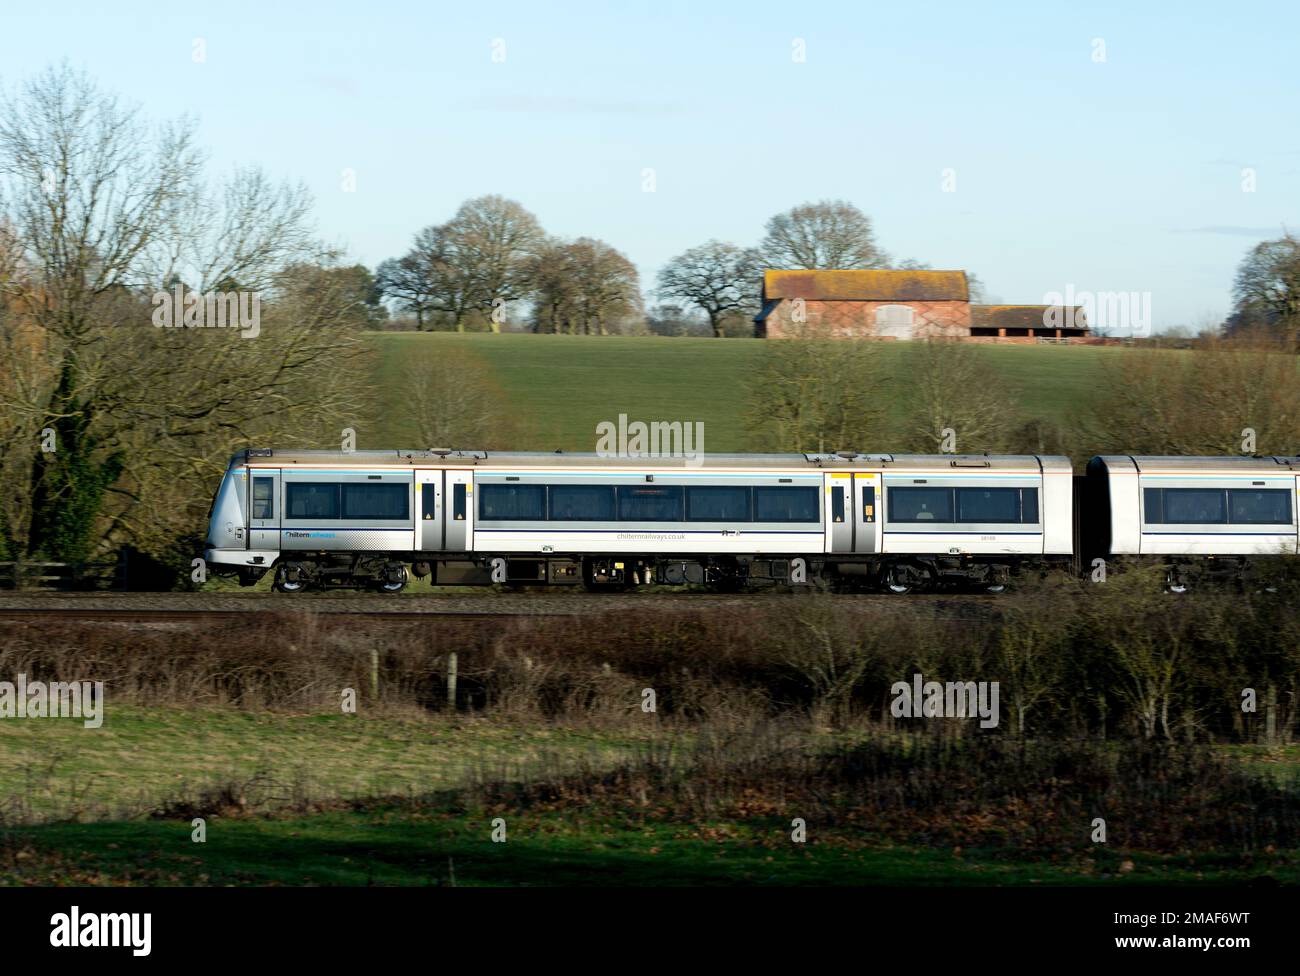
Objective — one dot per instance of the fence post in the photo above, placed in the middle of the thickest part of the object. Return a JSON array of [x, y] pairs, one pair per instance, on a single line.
[[374, 674], [451, 679], [1270, 715]]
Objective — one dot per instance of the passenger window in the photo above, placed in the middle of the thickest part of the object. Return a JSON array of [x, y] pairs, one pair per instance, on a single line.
[[429, 501], [263, 502], [458, 503], [837, 504], [383, 502], [869, 503], [1186, 506], [1029, 506], [717, 503], [786, 504], [311, 501], [920, 505], [650, 503], [988, 505], [502, 503], [1259, 506], [581, 503]]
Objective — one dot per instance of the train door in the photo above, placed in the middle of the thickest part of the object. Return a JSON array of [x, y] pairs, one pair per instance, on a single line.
[[428, 505], [839, 513], [866, 506], [264, 503], [458, 511]]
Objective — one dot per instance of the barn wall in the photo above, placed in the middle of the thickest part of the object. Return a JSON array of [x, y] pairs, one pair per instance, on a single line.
[[857, 320]]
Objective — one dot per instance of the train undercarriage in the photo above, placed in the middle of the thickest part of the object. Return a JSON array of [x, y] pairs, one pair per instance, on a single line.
[[386, 572]]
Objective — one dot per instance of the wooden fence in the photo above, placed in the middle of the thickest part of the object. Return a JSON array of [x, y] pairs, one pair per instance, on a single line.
[[21, 575]]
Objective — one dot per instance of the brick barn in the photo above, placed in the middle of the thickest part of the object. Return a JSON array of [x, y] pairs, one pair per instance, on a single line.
[[886, 304]]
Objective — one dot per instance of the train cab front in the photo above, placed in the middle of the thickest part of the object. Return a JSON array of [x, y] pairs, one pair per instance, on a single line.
[[228, 551]]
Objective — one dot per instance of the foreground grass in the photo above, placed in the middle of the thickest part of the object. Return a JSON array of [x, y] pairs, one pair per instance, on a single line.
[[144, 759], [395, 845], [568, 384]]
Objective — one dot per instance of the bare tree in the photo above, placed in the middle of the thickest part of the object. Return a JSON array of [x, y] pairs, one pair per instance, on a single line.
[[716, 277], [455, 402], [815, 394], [1222, 398], [584, 287], [955, 401], [468, 267], [494, 238], [828, 234], [407, 282], [106, 214], [1267, 290]]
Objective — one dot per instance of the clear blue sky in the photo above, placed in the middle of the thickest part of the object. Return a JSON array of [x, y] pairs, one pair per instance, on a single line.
[[1115, 176]]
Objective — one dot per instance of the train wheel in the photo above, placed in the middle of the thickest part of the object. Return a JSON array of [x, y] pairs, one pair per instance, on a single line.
[[394, 579], [901, 579], [289, 580], [995, 588]]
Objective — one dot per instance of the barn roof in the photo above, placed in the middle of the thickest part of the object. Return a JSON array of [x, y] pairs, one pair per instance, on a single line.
[[1025, 317], [874, 285]]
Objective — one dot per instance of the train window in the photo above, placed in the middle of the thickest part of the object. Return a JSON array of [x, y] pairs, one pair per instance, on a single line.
[[869, 503], [582, 503], [1029, 506], [1153, 505], [311, 501], [660, 503], [920, 504], [1185, 506], [1259, 506], [458, 503], [525, 503], [786, 504], [708, 503], [837, 504], [429, 501], [988, 504], [263, 503], [388, 501]]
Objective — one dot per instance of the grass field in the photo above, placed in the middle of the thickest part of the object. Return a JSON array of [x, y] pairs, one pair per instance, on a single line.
[[148, 759], [395, 845], [565, 385], [318, 799]]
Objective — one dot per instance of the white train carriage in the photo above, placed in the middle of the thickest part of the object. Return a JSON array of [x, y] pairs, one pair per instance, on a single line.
[[1197, 514], [902, 521]]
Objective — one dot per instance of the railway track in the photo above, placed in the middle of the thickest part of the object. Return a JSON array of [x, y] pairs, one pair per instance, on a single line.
[[189, 609], [154, 614]]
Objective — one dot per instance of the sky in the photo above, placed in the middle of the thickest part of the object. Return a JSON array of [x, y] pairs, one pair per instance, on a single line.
[[1048, 147]]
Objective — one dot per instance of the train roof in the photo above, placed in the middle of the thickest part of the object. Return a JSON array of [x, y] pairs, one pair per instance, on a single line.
[[563, 459], [1156, 464]]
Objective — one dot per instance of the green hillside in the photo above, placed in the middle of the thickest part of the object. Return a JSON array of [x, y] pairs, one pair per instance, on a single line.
[[563, 386]]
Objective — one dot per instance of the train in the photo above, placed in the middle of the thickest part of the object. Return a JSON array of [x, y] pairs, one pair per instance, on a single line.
[[899, 523]]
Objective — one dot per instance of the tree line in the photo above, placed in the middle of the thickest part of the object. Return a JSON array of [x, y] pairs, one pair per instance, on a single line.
[[493, 254]]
